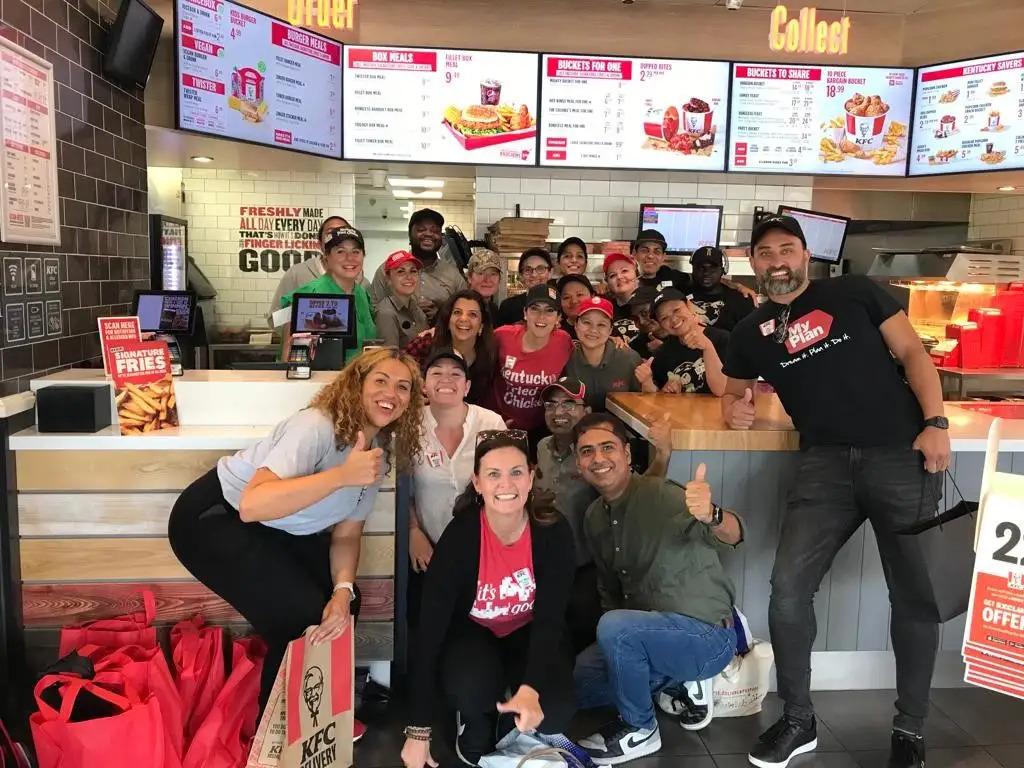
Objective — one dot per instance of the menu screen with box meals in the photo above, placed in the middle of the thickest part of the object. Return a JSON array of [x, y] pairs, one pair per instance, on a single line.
[[969, 116], [244, 75], [824, 120], [605, 112], [440, 105]]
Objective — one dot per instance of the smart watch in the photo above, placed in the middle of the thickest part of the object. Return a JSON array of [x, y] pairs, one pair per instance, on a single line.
[[717, 516], [939, 422], [346, 585]]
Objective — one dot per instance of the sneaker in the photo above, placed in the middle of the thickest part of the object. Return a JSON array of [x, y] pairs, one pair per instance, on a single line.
[[907, 750], [693, 703], [619, 742], [358, 730], [782, 742], [474, 738]]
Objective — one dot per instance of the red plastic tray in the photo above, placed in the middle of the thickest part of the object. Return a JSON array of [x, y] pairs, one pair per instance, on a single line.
[[476, 142]]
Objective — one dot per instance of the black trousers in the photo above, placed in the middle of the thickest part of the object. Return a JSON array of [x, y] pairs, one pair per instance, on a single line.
[[279, 582], [836, 490], [477, 668], [584, 609]]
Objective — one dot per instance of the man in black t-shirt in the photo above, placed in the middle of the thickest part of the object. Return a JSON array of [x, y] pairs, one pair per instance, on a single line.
[[875, 444], [720, 305], [649, 254]]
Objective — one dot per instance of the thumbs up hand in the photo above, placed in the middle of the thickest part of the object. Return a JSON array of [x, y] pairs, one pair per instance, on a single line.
[[363, 466], [698, 495], [643, 372], [740, 413]]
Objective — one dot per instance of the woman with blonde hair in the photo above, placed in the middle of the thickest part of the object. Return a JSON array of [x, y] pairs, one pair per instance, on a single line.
[[275, 529]]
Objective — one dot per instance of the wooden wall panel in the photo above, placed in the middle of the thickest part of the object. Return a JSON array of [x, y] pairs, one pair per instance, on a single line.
[[55, 605], [112, 470], [142, 559]]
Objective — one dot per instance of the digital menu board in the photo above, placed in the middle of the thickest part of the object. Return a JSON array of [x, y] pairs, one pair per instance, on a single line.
[[607, 112], [823, 120], [440, 105], [244, 75], [969, 116]]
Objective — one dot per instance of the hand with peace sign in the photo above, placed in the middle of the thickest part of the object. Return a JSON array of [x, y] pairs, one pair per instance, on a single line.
[[698, 495]]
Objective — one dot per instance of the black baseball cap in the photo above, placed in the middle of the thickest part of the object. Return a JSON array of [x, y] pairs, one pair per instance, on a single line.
[[446, 353], [650, 236], [667, 295], [643, 297], [426, 214], [542, 294], [530, 252], [335, 237], [574, 388], [768, 223], [708, 254], [581, 279], [571, 241]]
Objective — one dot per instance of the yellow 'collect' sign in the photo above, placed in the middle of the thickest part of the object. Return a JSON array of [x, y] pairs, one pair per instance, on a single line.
[[805, 34]]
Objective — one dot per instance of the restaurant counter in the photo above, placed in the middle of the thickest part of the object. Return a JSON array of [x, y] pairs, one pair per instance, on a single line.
[[91, 525], [752, 472]]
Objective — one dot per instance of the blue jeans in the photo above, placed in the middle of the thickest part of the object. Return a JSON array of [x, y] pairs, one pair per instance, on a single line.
[[640, 652]]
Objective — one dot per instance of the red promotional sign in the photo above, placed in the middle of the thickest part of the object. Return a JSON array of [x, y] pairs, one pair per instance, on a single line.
[[115, 332], [302, 42], [996, 620], [778, 73], [202, 84], [201, 46], [605, 69], [143, 387], [383, 58]]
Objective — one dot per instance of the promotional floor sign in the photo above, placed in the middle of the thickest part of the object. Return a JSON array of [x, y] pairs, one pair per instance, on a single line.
[[993, 647], [114, 333], [143, 387], [308, 719]]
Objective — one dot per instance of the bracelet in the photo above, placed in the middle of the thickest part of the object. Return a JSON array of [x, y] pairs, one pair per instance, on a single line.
[[345, 585], [416, 733]]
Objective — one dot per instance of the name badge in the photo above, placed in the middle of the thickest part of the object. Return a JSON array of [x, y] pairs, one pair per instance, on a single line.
[[510, 361], [768, 327], [434, 457], [523, 578]]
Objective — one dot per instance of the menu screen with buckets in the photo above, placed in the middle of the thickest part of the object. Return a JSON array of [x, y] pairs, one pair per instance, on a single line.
[[823, 120], [245, 75], [442, 105], [969, 116], [605, 112]]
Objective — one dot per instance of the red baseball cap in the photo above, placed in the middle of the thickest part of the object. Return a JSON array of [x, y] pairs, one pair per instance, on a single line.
[[611, 258], [398, 258], [597, 303]]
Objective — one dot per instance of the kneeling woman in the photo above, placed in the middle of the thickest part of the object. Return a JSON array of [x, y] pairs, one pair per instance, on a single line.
[[493, 614], [275, 529]]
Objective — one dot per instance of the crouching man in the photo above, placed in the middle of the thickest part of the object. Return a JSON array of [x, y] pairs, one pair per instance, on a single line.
[[666, 597]]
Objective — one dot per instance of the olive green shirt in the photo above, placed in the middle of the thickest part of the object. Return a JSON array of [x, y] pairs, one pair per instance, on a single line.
[[652, 555]]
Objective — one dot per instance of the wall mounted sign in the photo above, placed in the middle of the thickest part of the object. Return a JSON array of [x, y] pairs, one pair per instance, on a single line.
[[323, 14], [803, 33]]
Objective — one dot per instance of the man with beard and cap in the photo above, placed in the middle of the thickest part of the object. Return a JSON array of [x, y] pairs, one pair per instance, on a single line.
[[866, 399], [439, 277], [649, 250], [717, 304]]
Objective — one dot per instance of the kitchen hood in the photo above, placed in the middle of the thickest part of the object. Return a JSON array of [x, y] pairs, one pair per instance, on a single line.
[[978, 261]]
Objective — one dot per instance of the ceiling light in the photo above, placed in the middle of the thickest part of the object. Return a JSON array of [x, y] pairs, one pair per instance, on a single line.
[[202, 159], [406, 194], [402, 181], [1006, 189]]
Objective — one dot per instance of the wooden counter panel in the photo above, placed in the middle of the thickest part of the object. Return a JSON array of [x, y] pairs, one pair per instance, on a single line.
[[142, 559], [132, 514], [112, 470], [55, 605]]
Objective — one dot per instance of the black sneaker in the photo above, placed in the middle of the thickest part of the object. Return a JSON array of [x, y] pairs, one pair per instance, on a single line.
[[619, 742], [474, 737], [693, 703], [907, 750], [782, 742]]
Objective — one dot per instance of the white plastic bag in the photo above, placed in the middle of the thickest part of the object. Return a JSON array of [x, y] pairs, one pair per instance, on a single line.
[[528, 750], [740, 688]]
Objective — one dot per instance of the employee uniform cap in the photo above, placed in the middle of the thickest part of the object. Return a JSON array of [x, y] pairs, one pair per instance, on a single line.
[[650, 236], [398, 258], [574, 388], [581, 279], [597, 304], [426, 214], [571, 241], [708, 254], [335, 237], [667, 295], [543, 294], [642, 298], [767, 224], [447, 353], [483, 258], [611, 258]]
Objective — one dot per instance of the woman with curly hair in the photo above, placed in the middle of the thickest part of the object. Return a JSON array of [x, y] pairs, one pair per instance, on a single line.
[[275, 528]]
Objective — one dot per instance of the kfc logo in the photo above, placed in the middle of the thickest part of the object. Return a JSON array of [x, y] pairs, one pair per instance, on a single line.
[[809, 329], [313, 691]]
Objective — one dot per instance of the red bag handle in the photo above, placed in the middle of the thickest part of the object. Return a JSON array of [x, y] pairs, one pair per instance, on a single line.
[[149, 606], [73, 686], [187, 641]]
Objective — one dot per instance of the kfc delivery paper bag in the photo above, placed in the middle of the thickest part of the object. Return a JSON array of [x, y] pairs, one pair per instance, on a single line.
[[308, 719]]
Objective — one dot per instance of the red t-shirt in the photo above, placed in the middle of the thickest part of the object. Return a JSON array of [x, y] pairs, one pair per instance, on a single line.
[[523, 375], [505, 586]]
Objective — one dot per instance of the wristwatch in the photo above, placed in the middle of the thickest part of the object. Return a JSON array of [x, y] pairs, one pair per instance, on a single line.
[[717, 516], [346, 585], [939, 422]]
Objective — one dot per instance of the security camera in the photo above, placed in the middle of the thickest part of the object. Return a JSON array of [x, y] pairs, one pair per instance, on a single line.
[[733, 5]]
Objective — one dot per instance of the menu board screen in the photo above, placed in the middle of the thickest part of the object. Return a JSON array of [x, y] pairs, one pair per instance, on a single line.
[[824, 120], [969, 116], [607, 112], [244, 75], [440, 105]]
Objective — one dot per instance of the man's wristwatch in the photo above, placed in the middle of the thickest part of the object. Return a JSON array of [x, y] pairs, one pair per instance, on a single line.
[[346, 585], [939, 422], [717, 516]]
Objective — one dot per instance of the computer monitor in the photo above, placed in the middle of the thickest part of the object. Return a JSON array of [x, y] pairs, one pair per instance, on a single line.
[[171, 312], [324, 315], [685, 227], [825, 232]]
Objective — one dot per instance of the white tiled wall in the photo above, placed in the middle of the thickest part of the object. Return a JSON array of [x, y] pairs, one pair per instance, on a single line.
[[211, 206], [605, 205], [999, 216]]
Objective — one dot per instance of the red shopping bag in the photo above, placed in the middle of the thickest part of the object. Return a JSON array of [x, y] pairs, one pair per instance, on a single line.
[[12, 754], [198, 655], [146, 671], [132, 629], [132, 736], [224, 738]]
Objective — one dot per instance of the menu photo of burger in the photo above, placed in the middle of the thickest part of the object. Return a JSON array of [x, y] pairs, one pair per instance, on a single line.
[[688, 129], [491, 121], [998, 88], [864, 133]]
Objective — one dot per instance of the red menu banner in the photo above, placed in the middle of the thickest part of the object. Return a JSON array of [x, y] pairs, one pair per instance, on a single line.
[[115, 332], [390, 58], [143, 387]]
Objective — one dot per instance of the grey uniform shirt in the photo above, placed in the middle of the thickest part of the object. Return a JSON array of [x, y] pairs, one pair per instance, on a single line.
[[300, 445], [615, 373], [437, 282], [399, 320], [559, 475]]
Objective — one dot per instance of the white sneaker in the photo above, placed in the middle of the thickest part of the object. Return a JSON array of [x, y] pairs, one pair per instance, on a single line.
[[619, 742], [693, 703]]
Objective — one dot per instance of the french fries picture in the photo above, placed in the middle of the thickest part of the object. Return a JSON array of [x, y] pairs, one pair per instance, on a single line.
[[146, 408]]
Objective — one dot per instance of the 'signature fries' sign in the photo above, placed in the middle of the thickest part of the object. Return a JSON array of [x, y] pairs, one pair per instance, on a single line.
[[143, 387]]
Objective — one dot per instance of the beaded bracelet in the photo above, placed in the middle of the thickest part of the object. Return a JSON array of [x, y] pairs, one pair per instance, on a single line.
[[417, 734]]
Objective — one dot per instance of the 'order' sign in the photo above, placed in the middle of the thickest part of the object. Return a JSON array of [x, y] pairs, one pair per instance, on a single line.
[[325, 14], [805, 34]]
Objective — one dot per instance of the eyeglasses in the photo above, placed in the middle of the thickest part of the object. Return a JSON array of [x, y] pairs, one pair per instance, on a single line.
[[781, 326], [515, 435], [535, 270], [561, 405]]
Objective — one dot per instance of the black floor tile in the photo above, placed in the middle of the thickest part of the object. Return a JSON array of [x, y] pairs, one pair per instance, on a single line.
[[663, 760], [862, 720], [735, 735], [677, 741], [991, 718], [812, 760], [1007, 755], [957, 757]]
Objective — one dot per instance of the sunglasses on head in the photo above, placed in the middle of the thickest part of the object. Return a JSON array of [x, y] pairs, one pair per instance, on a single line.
[[513, 435]]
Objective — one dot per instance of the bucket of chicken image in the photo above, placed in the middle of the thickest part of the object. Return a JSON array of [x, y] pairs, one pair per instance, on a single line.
[[865, 121]]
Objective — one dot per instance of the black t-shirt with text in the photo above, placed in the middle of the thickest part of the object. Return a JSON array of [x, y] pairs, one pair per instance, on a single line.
[[667, 277], [833, 371], [724, 308], [675, 360]]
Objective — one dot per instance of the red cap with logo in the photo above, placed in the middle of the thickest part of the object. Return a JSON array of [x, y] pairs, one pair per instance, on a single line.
[[611, 258], [398, 258], [596, 303]]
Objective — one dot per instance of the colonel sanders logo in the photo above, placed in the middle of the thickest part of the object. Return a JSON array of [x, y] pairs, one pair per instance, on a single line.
[[313, 691]]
